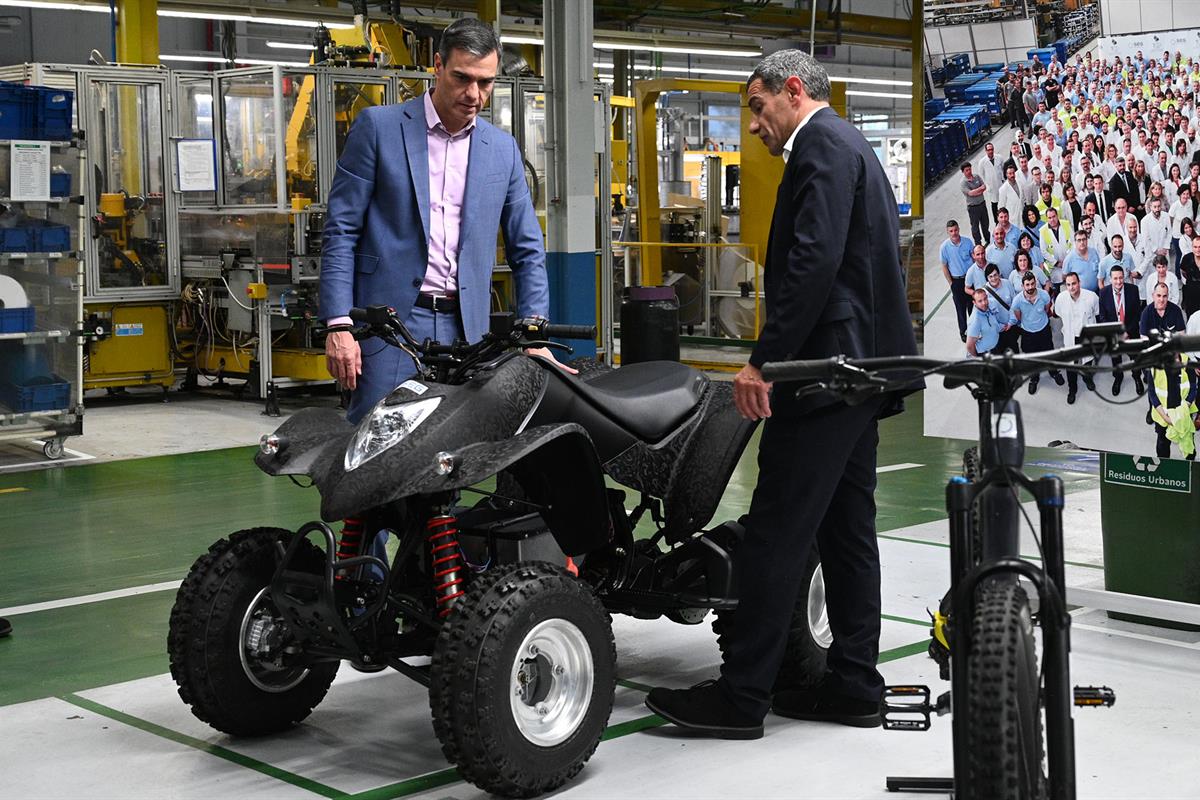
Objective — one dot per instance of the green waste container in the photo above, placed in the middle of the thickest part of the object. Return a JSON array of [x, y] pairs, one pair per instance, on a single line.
[[1150, 522]]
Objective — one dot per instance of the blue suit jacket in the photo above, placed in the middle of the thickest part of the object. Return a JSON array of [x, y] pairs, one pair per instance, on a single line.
[[376, 239]]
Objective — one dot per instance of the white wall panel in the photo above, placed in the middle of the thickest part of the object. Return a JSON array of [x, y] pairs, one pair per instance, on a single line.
[[1157, 16], [993, 57], [1122, 16], [956, 39], [933, 45], [1185, 13], [988, 36], [1019, 33]]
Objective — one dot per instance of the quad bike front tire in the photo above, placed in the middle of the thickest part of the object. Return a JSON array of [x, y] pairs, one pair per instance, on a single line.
[[522, 679], [222, 599], [808, 638], [1005, 727]]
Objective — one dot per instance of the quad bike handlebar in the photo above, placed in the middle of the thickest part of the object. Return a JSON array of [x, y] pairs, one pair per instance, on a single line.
[[995, 375]]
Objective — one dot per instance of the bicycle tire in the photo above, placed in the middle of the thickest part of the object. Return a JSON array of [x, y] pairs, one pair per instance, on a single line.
[[1005, 735]]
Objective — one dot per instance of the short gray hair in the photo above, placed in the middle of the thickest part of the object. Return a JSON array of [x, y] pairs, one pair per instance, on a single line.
[[775, 69], [470, 34]]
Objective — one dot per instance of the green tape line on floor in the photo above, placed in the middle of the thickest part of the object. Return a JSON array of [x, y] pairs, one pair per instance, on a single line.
[[298, 781], [411, 786]]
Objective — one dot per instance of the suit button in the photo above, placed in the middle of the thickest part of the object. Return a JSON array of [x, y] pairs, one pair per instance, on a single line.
[[416, 283]]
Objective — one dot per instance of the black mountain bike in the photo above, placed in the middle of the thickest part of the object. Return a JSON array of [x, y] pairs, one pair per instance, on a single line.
[[1012, 729]]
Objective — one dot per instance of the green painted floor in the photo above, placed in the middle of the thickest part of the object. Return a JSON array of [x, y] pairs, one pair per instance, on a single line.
[[111, 526]]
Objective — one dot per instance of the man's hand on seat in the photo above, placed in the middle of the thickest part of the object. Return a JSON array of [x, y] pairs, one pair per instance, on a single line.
[[343, 358], [751, 394], [545, 352]]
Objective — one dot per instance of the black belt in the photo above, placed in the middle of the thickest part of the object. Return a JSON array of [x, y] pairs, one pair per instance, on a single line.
[[438, 302]]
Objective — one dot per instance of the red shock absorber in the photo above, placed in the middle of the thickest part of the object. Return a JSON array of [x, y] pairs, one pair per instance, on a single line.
[[350, 542], [446, 561]]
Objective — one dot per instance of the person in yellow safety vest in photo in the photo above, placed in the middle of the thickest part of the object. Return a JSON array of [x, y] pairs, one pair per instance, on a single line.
[[1171, 391]]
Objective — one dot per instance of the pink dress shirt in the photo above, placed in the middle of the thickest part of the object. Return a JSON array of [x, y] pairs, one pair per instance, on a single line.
[[448, 156]]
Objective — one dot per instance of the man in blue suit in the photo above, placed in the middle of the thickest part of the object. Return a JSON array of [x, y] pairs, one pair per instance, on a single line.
[[420, 191]]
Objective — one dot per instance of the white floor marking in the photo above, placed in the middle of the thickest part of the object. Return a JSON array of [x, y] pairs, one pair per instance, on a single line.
[[90, 598], [897, 467]]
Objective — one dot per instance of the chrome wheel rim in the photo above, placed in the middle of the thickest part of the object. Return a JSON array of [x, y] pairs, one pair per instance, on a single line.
[[551, 682], [818, 614], [273, 679]]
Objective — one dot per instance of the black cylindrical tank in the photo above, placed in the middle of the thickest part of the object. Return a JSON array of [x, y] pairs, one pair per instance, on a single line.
[[649, 324]]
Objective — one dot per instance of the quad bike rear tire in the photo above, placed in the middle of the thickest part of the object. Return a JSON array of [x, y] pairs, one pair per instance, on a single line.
[[522, 679], [217, 677], [808, 638], [1005, 721]]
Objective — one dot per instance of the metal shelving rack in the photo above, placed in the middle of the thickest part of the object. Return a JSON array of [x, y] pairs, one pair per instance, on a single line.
[[53, 283]]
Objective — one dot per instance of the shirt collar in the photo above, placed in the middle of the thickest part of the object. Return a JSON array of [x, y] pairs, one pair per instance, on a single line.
[[434, 122], [787, 148]]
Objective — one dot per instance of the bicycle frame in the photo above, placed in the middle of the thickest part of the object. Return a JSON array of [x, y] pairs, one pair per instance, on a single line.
[[1002, 452]]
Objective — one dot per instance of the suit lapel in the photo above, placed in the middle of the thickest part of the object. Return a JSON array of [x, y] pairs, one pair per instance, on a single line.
[[479, 162], [416, 146]]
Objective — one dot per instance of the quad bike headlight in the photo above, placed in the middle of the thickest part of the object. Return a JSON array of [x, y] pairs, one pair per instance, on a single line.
[[385, 427]]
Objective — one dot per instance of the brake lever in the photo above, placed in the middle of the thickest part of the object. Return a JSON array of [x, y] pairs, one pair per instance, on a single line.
[[552, 345]]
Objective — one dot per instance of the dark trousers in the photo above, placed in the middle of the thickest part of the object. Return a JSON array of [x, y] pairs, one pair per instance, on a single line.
[[980, 230], [995, 212], [1162, 447], [1038, 342], [816, 481], [1009, 340], [1073, 382], [962, 303], [1120, 376]]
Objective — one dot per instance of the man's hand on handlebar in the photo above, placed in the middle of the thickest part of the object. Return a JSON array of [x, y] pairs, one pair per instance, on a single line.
[[546, 353], [751, 394], [343, 358]]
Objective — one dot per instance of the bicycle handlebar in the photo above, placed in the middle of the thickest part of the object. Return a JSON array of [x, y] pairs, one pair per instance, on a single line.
[[555, 331], [847, 375]]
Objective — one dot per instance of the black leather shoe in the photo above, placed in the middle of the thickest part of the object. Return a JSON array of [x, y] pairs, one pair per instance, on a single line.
[[1058, 378], [1116, 387], [821, 703], [704, 709], [1070, 398], [1139, 387], [1033, 387], [5, 627]]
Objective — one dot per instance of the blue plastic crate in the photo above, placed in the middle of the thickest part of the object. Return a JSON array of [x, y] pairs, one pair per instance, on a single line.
[[956, 89], [989, 67], [17, 110], [51, 238], [41, 393], [16, 240], [1044, 54], [60, 184], [935, 106], [17, 320], [53, 115]]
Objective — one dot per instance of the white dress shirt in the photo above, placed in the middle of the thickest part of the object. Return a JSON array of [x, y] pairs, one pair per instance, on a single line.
[[1156, 232], [1150, 279], [787, 148], [990, 173]]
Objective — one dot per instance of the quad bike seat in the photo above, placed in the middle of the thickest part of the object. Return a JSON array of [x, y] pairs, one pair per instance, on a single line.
[[649, 399]]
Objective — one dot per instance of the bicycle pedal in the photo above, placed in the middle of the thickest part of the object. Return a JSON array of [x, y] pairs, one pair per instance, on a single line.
[[1094, 696], [908, 708]]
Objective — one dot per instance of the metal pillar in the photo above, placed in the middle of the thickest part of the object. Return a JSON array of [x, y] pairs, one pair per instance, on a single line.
[[570, 176], [916, 178], [137, 31]]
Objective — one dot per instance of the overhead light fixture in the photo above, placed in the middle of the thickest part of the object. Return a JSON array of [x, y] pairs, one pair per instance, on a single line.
[[55, 6], [745, 73], [875, 81], [290, 46], [97, 8], [294, 22], [644, 46], [852, 93], [255, 62]]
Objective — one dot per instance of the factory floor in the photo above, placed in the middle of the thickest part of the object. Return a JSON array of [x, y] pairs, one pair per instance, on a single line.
[[92, 550]]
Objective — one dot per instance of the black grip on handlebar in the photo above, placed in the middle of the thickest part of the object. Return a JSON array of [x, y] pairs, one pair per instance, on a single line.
[[815, 370], [358, 314], [587, 332]]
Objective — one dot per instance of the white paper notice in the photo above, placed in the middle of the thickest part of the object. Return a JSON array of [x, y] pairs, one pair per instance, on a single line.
[[29, 171], [197, 165]]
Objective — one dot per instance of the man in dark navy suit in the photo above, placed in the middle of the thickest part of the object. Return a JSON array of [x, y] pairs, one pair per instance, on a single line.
[[834, 285], [1121, 302]]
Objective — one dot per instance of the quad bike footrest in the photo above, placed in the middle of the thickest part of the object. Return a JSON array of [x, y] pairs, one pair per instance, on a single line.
[[908, 708]]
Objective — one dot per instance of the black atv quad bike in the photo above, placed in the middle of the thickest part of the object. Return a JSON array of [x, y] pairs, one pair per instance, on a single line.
[[501, 605]]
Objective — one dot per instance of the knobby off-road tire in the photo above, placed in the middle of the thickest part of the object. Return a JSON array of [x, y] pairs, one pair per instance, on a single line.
[[808, 637], [496, 666], [1004, 732], [205, 641]]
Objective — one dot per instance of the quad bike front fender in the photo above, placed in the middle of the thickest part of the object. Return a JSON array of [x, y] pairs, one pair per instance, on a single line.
[[556, 465], [308, 438]]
